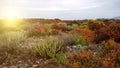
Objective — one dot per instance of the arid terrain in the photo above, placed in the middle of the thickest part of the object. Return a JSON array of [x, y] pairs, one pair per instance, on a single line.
[[55, 43]]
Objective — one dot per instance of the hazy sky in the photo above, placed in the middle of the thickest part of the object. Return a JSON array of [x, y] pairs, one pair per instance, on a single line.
[[63, 9]]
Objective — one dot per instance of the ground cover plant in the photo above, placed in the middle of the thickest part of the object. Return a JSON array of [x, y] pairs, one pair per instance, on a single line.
[[55, 43]]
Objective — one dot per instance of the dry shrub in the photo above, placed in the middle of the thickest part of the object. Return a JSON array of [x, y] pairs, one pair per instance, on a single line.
[[86, 34]]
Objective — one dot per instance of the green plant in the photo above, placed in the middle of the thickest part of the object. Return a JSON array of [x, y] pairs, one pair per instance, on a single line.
[[72, 26], [111, 54], [84, 25], [12, 38], [55, 32], [49, 26], [48, 47], [78, 40], [10, 48], [59, 58], [86, 35], [29, 28], [60, 26]]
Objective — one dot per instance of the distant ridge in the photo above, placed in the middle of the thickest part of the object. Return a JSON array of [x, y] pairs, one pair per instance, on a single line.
[[118, 17]]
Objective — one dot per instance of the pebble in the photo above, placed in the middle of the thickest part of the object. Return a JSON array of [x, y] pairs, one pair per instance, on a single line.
[[34, 65], [4, 67], [26, 65], [13, 67], [0, 66]]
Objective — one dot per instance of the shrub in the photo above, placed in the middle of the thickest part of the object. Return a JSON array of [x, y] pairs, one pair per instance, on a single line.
[[83, 59], [95, 26], [115, 31], [84, 25], [108, 23], [115, 26], [111, 54], [72, 26], [72, 64], [8, 52], [87, 35], [59, 58], [12, 38], [41, 30], [48, 47], [60, 26], [68, 39], [109, 58], [29, 28], [55, 26], [36, 29], [102, 34], [1, 27], [78, 40], [10, 48], [49, 26], [85, 55], [55, 32], [70, 55], [106, 34], [87, 58]]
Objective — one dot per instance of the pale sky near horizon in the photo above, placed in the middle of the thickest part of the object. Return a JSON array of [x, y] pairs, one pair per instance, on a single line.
[[63, 9]]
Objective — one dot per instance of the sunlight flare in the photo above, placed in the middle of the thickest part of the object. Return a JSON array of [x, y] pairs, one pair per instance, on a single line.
[[10, 14], [10, 17]]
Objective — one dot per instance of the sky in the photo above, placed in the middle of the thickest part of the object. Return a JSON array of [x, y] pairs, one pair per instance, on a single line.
[[62, 9]]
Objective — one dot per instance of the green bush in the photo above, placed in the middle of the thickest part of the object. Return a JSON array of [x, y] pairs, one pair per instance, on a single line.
[[12, 38], [49, 26], [84, 25], [78, 40], [29, 28], [72, 26], [37, 30], [10, 45], [59, 58], [48, 47]]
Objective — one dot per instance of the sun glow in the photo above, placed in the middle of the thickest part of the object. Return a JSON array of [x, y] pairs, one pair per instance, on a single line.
[[10, 17]]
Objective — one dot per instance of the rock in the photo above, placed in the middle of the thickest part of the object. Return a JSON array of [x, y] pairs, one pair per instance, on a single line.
[[69, 48], [85, 47], [26, 65], [20, 66], [35, 65], [19, 61], [13, 67], [5, 67], [0, 66], [74, 46]]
